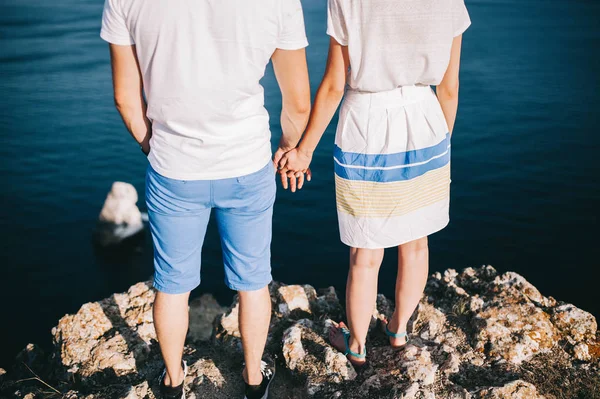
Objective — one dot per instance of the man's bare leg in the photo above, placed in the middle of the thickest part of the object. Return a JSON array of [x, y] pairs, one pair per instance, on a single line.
[[171, 321], [254, 319]]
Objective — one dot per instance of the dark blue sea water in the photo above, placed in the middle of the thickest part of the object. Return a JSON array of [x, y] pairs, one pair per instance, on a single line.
[[525, 190]]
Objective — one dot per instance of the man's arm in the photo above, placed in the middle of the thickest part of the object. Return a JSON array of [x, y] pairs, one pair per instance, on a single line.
[[128, 94], [447, 90], [291, 72]]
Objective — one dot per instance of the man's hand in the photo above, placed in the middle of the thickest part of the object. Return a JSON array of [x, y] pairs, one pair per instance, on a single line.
[[145, 147], [285, 145]]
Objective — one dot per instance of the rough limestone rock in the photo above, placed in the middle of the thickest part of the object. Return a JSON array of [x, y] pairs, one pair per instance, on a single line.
[[515, 332], [120, 217], [582, 352], [508, 324], [293, 350], [417, 364], [513, 390], [115, 337], [226, 328], [327, 304], [578, 324], [337, 366], [295, 297], [307, 354], [476, 334], [107, 338], [203, 311]]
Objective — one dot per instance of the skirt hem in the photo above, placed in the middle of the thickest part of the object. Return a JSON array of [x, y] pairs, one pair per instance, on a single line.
[[434, 230]]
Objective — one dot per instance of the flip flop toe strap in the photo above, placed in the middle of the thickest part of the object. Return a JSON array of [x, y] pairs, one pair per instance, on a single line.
[[346, 334]]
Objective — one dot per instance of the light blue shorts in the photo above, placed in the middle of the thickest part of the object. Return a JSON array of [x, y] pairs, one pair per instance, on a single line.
[[179, 211]]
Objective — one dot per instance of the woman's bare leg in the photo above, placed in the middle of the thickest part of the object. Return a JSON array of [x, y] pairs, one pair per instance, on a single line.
[[361, 297], [413, 268]]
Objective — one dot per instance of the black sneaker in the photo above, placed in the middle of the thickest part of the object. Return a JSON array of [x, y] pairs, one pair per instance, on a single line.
[[173, 392], [262, 391]]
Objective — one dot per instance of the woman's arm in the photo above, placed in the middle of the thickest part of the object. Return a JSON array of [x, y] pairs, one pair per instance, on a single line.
[[329, 96], [447, 90]]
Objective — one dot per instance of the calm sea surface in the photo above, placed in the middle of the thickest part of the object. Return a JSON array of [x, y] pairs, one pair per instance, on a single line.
[[525, 190]]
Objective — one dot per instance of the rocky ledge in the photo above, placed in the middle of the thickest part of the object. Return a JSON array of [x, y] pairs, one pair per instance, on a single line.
[[475, 334]]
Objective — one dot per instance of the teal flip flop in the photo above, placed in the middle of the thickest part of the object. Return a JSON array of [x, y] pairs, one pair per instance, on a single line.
[[395, 335], [346, 334]]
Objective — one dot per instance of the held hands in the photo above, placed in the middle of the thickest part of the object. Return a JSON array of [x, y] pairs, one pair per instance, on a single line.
[[293, 165]]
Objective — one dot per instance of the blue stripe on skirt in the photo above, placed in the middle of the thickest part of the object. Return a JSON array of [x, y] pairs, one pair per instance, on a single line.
[[391, 175], [389, 160]]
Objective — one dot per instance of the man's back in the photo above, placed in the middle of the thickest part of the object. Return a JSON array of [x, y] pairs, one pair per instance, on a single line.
[[201, 62]]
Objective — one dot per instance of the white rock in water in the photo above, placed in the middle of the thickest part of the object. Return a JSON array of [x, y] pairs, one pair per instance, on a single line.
[[120, 217], [120, 205]]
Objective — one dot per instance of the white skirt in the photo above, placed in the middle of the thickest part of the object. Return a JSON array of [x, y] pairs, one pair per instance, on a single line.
[[392, 167]]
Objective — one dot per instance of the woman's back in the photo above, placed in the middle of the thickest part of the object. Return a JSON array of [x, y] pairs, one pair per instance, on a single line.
[[394, 43]]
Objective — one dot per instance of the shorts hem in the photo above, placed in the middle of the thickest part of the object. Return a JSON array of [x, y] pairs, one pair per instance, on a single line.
[[248, 287], [175, 290]]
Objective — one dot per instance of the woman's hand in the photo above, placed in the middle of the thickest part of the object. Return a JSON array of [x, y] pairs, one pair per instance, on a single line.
[[295, 160]]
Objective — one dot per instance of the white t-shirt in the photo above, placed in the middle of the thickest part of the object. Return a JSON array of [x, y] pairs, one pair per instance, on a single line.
[[201, 63], [393, 43]]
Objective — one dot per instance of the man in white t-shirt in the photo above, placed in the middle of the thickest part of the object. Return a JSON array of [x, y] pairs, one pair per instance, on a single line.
[[204, 127]]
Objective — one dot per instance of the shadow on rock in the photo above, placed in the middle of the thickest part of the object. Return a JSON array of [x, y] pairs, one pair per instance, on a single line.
[[476, 334]]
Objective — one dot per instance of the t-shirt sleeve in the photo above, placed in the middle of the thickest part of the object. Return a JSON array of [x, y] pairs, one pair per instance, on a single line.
[[460, 17], [336, 25], [114, 28], [292, 33]]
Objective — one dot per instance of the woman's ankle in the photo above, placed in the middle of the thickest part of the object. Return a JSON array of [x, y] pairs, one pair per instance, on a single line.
[[356, 346], [396, 325]]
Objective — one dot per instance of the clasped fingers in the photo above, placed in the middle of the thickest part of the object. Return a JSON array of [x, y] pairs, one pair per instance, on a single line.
[[293, 179]]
